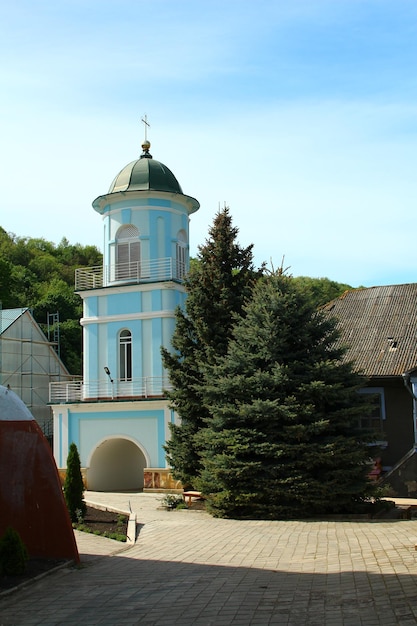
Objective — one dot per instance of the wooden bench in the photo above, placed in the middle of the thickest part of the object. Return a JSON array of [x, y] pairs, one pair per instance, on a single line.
[[191, 494]]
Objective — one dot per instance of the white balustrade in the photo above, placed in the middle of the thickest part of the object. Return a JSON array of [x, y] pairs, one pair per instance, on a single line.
[[80, 391]]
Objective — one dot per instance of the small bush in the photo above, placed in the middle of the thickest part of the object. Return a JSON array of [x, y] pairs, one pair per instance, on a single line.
[[173, 502], [13, 553], [115, 536], [182, 505], [82, 527], [121, 520]]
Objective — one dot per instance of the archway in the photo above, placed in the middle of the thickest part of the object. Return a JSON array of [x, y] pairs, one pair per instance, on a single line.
[[116, 464]]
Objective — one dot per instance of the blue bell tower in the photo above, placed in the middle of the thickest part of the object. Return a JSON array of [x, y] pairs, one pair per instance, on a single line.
[[118, 414]]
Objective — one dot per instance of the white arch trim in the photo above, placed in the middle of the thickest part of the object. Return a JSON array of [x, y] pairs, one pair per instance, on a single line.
[[182, 236], [127, 232], [127, 438]]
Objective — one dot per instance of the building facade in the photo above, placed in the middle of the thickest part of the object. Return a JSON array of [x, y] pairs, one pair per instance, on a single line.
[[29, 362], [379, 327], [118, 414]]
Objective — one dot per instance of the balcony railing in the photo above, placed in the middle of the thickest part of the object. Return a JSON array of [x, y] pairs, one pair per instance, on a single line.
[[132, 272], [82, 391]]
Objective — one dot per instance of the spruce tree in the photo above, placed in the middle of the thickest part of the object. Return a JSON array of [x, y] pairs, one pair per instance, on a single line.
[[217, 286], [73, 485], [283, 439]]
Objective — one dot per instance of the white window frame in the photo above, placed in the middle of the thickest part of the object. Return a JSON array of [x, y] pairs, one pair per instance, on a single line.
[[377, 391], [125, 355], [181, 255], [128, 252]]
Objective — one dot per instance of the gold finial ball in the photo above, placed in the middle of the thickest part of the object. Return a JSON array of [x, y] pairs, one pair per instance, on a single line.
[[146, 145]]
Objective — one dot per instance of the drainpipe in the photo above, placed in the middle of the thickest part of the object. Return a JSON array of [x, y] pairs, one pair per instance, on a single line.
[[410, 386]]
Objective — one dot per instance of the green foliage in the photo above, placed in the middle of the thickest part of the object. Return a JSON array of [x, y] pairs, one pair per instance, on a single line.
[[172, 501], [115, 536], [219, 281], [13, 553], [320, 290], [38, 274], [283, 439], [73, 486]]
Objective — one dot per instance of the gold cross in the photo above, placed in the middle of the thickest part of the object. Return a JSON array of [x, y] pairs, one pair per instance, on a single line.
[[146, 124]]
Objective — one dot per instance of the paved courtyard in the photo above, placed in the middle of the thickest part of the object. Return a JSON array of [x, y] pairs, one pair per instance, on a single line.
[[188, 568]]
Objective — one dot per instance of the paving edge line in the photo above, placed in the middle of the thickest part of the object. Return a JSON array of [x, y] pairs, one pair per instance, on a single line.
[[130, 541], [131, 534], [70, 564], [31, 581]]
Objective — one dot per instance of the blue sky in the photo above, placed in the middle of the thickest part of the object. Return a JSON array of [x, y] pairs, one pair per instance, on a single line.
[[301, 116]]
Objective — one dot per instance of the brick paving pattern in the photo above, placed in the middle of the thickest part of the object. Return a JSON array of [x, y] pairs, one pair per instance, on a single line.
[[187, 568]]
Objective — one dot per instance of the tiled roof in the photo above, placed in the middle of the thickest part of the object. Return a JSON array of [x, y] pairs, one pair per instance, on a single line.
[[8, 317], [379, 325]]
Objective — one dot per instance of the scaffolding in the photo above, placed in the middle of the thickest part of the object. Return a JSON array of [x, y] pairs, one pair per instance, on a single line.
[[53, 330], [29, 362]]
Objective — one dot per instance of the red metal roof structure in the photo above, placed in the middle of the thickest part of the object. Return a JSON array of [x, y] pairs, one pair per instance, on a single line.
[[31, 497]]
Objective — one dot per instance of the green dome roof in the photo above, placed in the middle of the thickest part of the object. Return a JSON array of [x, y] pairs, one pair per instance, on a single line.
[[145, 174]]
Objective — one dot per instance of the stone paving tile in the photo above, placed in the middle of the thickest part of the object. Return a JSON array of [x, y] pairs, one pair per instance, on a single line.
[[189, 568]]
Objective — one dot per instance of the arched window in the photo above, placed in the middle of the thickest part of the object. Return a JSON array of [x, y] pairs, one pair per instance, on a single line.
[[181, 254], [127, 252], [125, 355]]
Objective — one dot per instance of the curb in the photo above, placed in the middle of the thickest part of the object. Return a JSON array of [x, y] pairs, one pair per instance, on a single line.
[[31, 581], [131, 534]]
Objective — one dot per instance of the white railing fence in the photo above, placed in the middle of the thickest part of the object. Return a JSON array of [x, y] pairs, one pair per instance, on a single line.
[[133, 272], [80, 391]]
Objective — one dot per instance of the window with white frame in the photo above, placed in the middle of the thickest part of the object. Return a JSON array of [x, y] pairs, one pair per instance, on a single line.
[[374, 420], [127, 253], [181, 254], [125, 355]]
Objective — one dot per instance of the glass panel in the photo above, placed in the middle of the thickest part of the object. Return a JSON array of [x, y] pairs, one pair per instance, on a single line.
[[374, 420], [129, 361], [181, 257], [125, 355]]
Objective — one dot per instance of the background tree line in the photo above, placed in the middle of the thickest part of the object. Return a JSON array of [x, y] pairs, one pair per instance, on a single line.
[[38, 274]]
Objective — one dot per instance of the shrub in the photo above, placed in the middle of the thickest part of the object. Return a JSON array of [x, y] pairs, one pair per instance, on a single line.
[[74, 487], [171, 501], [115, 536], [13, 553]]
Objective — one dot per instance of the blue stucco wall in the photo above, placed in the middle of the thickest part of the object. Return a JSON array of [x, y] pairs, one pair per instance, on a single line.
[[146, 427]]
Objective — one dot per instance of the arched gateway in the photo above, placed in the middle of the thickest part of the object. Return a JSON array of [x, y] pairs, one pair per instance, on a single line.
[[116, 464]]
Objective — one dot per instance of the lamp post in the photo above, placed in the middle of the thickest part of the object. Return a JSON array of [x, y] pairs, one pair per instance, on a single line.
[[106, 369]]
